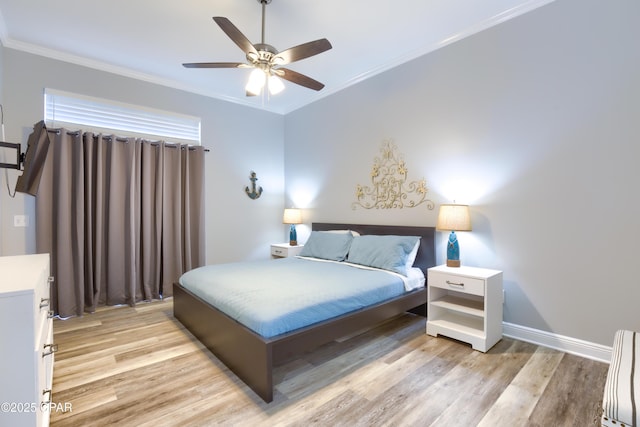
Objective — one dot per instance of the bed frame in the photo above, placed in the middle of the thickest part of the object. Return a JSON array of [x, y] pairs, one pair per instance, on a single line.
[[252, 357]]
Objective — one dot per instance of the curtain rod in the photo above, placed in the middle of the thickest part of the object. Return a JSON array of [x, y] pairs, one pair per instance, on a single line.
[[121, 139]]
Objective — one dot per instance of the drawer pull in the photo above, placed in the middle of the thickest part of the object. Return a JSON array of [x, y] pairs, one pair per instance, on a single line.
[[459, 285], [52, 349], [44, 393], [44, 302], [278, 251]]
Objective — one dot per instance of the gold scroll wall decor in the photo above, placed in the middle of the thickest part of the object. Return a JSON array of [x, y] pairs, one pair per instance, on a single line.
[[389, 188]]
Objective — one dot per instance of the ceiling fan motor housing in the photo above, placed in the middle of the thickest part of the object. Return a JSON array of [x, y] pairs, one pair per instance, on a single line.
[[265, 59]]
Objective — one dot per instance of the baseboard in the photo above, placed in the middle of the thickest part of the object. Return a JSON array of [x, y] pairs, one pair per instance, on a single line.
[[570, 345]]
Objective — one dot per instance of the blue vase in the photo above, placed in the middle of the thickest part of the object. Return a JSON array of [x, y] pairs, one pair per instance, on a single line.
[[293, 236]]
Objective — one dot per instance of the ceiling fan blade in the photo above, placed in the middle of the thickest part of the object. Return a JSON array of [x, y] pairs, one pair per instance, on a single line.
[[215, 65], [234, 34], [302, 51], [299, 79]]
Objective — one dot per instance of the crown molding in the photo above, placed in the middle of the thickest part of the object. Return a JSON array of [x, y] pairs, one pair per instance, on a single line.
[[113, 69], [481, 26]]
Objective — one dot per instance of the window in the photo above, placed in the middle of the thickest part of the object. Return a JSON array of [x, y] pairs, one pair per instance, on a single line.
[[65, 109]]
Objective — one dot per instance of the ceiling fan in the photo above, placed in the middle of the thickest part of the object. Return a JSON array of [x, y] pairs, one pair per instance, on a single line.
[[266, 60]]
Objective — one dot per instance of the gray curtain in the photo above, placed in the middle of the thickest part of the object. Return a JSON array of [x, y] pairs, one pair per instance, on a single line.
[[122, 218]]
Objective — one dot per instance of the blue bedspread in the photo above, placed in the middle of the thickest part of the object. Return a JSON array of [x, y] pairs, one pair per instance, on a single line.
[[272, 297]]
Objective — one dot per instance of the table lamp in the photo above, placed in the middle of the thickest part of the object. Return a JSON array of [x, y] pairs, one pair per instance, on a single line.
[[293, 217], [453, 218]]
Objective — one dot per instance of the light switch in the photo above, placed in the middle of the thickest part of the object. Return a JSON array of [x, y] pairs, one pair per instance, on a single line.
[[21, 221]]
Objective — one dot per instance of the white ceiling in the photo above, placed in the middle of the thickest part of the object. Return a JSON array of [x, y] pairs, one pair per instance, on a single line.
[[150, 39]]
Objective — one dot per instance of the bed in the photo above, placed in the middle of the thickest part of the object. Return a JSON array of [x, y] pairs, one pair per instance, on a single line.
[[252, 356]]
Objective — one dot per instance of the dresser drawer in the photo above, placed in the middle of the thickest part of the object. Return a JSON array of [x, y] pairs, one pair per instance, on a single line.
[[42, 310], [467, 285], [44, 356], [42, 300]]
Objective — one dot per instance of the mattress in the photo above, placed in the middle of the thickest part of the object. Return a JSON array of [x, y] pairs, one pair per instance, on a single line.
[[272, 297]]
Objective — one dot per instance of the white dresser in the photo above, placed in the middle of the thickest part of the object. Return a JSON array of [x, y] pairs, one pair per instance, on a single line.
[[26, 341]]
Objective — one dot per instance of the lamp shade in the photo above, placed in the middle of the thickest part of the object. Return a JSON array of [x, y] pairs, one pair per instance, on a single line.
[[454, 218], [292, 216]]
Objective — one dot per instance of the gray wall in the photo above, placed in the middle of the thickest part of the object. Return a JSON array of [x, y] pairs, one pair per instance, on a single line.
[[534, 123], [236, 226]]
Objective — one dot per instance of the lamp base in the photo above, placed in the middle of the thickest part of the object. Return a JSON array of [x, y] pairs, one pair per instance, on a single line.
[[453, 251], [453, 263], [293, 236]]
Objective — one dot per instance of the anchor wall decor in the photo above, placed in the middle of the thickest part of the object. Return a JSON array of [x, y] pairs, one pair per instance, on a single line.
[[389, 187], [255, 192]]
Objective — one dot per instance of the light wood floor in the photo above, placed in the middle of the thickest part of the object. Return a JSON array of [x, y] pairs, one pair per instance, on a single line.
[[139, 367]]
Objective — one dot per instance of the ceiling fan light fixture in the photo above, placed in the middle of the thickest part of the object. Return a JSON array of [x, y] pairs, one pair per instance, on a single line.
[[257, 80], [275, 85]]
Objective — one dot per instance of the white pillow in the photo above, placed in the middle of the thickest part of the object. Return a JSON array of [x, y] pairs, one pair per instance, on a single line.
[[412, 256]]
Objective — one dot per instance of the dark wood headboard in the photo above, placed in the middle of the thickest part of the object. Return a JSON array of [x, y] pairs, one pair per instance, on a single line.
[[426, 257]]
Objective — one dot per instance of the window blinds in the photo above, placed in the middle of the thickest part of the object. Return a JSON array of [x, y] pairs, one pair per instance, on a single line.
[[64, 109]]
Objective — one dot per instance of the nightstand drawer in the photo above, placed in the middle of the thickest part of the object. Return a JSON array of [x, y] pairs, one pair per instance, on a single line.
[[467, 285], [279, 251], [284, 250]]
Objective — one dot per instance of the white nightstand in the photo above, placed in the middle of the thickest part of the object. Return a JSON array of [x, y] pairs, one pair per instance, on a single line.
[[284, 250], [465, 303]]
